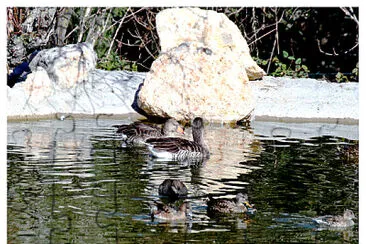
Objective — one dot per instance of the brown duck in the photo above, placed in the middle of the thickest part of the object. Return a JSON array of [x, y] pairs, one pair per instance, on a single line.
[[167, 212], [237, 205], [175, 148], [137, 132], [173, 189]]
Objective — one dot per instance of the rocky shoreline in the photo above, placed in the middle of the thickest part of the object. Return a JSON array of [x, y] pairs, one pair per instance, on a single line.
[[113, 92]]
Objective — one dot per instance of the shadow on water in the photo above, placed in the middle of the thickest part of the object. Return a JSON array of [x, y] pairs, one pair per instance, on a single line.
[[70, 181]]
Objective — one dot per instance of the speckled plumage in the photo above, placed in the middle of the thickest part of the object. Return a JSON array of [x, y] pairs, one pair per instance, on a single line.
[[138, 132], [166, 212], [238, 204], [178, 148]]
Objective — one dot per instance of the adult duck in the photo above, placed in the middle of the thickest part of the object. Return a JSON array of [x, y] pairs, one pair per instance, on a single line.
[[237, 205], [339, 221], [173, 189], [137, 132], [167, 212], [179, 148]]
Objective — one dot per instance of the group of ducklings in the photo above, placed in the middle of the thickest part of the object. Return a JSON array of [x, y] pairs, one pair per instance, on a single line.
[[176, 189]]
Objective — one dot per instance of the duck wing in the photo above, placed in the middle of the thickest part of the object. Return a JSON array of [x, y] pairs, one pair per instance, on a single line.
[[215, 206], [173, 145], [139, 129]]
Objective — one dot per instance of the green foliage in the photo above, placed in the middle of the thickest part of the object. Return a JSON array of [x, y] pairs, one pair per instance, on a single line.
[[340, 77], [260, 62], [114, 62], [131, 33], [291, 66], [354, 75]]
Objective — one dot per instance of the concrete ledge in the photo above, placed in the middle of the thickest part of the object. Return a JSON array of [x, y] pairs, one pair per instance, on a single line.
[[303, 99]]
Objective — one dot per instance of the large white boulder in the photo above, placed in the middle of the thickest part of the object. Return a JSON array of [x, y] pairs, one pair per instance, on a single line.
[[214, 30], [192, 80], [203, 68]]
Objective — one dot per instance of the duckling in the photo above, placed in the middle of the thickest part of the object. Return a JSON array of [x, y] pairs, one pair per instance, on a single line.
[[336, 221], [173, 189], [236, 205], [167, 212]]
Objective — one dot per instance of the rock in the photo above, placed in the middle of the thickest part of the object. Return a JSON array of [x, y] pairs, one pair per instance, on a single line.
[[37, 86], [214, 30], [39, 18], [105, 92], [203, 69], [304, 98], [36, 27], [66, 65], [16, 51], [192, 80]]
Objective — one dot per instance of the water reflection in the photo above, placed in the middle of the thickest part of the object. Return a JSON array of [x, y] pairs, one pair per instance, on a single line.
[[70, 181]]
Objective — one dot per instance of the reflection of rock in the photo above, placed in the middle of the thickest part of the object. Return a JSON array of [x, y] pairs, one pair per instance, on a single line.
[[50, 140], [305, 130], [228, 147]]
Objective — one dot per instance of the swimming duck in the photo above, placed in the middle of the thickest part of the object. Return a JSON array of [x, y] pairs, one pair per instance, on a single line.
[[336, 221], [173, 188], [138, 132], [178, 148], [167, 212], [236, 205]]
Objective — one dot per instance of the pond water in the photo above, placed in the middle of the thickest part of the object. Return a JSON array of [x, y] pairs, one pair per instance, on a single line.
[[69, 181]]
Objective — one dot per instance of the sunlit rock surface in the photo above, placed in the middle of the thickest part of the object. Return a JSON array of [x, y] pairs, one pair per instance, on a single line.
[[213, 30], [211, 90], [192, 80], [203, 68], [104, 92], [66, 65], [279, 99], [304, 98]]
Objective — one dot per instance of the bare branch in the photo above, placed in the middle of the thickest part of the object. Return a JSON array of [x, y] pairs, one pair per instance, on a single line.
[[251, 43], [334, 51], [72, 31], [87, 12], [237, 11], [265, 27], [115, 34], [349, 13], [270, 59]]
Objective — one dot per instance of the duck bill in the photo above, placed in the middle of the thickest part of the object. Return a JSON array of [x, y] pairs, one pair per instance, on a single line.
[[180, 130], [248, 204]]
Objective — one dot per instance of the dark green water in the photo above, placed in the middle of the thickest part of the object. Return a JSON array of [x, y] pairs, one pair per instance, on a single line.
[[70, 182]]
